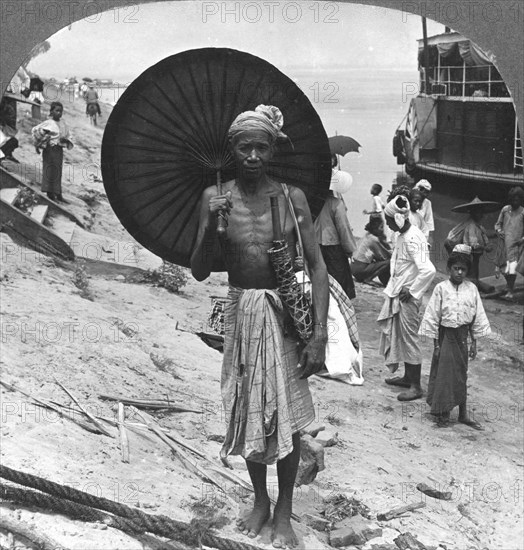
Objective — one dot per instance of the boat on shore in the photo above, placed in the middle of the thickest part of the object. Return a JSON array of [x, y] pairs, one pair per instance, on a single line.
[[461, 130]]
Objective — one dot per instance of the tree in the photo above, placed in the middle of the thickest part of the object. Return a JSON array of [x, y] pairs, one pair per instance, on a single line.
[[39, 49]]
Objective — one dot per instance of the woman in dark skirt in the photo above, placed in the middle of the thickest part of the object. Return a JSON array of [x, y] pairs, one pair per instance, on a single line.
[[52, 136], [454, 311]]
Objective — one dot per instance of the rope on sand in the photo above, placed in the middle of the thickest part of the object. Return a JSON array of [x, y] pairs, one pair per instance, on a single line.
[[128, 519]]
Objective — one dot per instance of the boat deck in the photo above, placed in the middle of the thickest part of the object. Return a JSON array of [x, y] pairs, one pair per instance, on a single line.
[[509, 179]]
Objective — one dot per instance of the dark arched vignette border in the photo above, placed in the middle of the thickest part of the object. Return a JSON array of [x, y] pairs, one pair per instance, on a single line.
[[494, 24]]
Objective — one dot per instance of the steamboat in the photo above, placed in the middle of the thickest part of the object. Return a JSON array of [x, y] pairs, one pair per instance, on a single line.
[[461, 131]]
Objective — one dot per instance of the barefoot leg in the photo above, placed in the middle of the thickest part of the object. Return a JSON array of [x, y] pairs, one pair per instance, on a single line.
[[283, 534], [251, 524], [464, 418]]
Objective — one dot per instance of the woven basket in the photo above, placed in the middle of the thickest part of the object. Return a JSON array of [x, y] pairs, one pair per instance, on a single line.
[[215, 319], [290, 291]]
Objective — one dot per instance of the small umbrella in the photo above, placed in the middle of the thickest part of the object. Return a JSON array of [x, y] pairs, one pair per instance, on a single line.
[[477, 204], [340, 145], [166, 141], [289, 289]]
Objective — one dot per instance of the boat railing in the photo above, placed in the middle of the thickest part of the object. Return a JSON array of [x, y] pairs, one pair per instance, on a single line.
[[464, 81], [517, 156]]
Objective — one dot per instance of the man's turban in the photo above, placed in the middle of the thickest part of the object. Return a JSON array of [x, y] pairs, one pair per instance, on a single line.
[[398, 208], [423, 184], [264, 117]]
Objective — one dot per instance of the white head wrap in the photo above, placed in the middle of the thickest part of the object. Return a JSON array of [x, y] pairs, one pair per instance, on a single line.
[[462, 249], [395, 209], [264, 117], [423, 184]]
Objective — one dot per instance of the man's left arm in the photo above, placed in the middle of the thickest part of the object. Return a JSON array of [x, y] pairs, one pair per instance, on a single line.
[[314, 354]]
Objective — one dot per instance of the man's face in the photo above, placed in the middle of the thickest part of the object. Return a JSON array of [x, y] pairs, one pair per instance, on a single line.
[[476, 214], [252, 150], [56, 112], [415, 201], [424, 192], [515, 201]]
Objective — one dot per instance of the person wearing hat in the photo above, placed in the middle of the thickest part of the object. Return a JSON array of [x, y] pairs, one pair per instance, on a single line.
[[454, 311], [334, 234], [472, 233], [91, 98], [411, 275], [426, 209], [510, 227]]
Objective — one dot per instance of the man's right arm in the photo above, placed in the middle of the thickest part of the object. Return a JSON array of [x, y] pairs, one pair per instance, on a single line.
[[202, 257]]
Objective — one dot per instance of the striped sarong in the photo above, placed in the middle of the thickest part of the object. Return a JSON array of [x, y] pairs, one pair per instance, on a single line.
[[265, 402], [399, 340]]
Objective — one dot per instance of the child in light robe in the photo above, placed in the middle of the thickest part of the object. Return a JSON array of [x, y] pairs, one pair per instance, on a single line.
[[453, 311]]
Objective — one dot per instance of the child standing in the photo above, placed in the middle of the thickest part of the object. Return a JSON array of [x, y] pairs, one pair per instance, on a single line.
[[454, 310], [52, 136], [510, 227], [378, 207]]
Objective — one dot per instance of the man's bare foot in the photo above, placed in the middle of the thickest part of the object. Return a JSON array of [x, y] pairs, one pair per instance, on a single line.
[[401, 381], [252, 523], [414, 392], [283, 534], [471, 423]]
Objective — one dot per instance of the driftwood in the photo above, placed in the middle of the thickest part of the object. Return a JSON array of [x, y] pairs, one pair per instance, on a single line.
[[406, 541], [37, 236], [86, 412], [433, 493], [60, 409], [27, 534], [399, 511], [124, 441], [149, 403]]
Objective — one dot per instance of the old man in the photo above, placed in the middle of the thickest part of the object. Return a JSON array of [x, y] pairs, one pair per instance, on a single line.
[[411, 275], [265, 369]]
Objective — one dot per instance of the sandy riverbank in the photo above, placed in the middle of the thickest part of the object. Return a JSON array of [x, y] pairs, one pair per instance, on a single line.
[[137, 341]]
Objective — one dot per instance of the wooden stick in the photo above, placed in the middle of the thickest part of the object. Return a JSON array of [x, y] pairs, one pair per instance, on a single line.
[[396, 512], [186, 460], [148, 403], [54, 407], [124, 441], [406, 541], [85, 411], [28, 533]]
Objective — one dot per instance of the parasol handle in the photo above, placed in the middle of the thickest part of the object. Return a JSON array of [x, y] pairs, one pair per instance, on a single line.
[[221, 221], [275, 217]]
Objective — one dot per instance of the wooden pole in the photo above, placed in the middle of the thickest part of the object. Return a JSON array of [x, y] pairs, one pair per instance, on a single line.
[[275, 217], [426, 55], [221, 222]]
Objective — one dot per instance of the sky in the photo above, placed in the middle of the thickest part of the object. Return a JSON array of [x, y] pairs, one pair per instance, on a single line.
[[121, 44]]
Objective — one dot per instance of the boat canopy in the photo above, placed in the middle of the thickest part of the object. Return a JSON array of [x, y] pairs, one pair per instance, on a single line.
[[454, 49], [457, 67]]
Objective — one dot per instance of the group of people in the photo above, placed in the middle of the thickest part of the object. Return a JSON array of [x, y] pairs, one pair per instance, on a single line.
[[508, 252], [265, 368]]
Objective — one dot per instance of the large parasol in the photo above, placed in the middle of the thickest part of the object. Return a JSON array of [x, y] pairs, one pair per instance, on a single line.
[[166, 141]]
